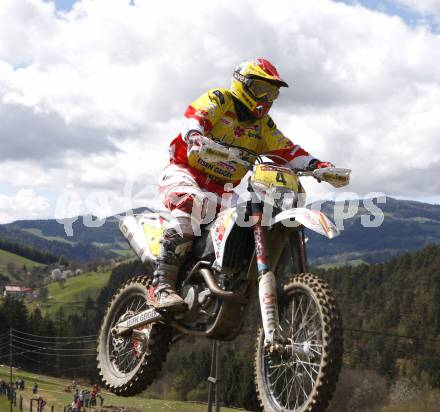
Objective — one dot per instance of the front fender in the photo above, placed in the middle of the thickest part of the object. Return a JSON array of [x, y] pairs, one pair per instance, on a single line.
[[311, 219]]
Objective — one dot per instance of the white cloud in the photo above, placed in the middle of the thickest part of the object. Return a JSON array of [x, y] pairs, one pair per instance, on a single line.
[[24, 204], [425, 7], [90, 99]]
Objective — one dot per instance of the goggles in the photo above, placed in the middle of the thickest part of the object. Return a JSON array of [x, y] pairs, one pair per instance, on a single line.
[[263, 90]]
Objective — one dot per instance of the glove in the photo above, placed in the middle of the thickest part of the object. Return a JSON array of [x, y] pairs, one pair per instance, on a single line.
[[206, 148], [195, 140], [318, 164]]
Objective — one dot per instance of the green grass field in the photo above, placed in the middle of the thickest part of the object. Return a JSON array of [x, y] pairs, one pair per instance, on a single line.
[[79, 287], [73, 293], [5, 405], [18, 261], [52, 391]]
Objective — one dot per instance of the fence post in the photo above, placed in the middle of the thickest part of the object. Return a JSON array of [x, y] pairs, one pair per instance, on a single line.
[[21, 403], [51, 408]]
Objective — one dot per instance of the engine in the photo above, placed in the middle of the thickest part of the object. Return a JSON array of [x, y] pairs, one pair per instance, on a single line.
[[203, 305]]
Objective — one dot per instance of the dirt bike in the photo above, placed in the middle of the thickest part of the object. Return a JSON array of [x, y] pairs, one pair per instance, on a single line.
[[244, 250]]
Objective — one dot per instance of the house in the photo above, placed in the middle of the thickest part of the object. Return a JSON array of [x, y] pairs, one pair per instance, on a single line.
[[19, 291]]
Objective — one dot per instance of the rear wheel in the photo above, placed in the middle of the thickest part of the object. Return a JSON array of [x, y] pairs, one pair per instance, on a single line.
[[303, 377], [128, 364]]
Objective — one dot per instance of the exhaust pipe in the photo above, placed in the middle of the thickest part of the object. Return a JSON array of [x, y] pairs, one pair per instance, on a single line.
[[223, 294], [134, 233]]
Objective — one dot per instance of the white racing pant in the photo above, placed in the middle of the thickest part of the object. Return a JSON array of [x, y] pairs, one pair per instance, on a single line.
[[190, 204]]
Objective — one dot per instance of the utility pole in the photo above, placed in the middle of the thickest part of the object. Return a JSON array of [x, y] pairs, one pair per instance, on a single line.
[[10, 368], [214, 378]]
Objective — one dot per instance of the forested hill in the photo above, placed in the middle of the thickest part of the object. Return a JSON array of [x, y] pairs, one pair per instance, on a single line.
[[391, 318], [85, 229], [89, 239], [81, 252], [391, 314], [28, 252], [406, 226]]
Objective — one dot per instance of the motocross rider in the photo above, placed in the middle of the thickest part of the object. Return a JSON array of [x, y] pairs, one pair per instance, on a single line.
[[238, 116]]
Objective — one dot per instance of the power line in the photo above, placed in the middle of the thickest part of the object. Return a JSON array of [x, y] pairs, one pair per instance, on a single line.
[[18, 353], [51, 348], [64, 369], [22, 344], [44, 351], [53, 351], [33, 360], [6, 340], [61, 355], [4, 335], [54, 337], [25, 339], [80, 367]]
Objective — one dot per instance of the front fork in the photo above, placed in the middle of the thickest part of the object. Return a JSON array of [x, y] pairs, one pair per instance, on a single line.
[[267, 289]]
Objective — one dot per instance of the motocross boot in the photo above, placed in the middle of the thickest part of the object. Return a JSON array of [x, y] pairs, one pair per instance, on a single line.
[[173, 250]]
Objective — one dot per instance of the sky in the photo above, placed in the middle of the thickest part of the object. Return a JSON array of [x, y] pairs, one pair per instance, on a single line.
[[93, 91]]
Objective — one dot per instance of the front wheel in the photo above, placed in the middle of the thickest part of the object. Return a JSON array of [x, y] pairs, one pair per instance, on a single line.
[[303, 376], [128, 364]]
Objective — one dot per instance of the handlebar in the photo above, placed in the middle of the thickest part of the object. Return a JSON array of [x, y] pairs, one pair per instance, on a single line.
[[220, 151], [218, 148], [303, 173]]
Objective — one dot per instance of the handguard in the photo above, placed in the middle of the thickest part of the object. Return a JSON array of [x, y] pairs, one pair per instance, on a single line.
[[335, 176], [212, 151]]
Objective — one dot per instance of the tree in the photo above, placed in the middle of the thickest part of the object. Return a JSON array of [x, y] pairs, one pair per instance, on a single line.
[[63, 261], [4, 279], [15, 312]]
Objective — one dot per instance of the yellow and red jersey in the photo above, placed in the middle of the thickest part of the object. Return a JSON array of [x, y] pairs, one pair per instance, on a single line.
[[217, 115]]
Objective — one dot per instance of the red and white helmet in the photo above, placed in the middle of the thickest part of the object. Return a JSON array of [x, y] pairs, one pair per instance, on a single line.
[[256, 84]]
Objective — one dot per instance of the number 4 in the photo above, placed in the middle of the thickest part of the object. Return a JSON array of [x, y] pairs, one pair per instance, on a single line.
[[281, 179]]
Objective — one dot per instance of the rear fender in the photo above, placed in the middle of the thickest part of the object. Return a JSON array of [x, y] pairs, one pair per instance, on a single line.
[[311, 219]]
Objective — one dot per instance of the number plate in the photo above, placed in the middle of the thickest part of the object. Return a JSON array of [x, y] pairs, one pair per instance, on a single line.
[[269, 175]]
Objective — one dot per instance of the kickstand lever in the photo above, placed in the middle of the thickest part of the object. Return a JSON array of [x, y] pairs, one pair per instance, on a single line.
[[214, 378]]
